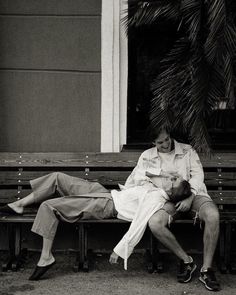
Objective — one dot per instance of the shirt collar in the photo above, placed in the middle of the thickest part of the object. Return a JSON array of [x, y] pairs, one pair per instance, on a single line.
[[178, 150]]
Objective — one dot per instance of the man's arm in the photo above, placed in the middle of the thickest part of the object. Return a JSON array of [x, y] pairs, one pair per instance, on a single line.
[[185, 205]]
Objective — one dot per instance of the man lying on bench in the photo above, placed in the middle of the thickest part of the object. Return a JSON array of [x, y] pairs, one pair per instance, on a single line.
[[81, 199]]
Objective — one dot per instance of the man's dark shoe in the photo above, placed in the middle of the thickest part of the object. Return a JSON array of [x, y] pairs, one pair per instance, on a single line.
[[186, 271], [208, 278]]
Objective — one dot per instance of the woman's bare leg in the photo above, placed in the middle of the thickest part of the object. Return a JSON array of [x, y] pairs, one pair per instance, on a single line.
[[46, 257], [45, 262], [19, 205]]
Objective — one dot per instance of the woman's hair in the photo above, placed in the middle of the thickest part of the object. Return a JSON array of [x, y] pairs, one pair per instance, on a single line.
[[155, 132], [183, 191]]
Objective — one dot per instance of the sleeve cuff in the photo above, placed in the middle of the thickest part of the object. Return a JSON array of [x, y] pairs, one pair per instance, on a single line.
[[123, 249], [154, 171], [194, 191]]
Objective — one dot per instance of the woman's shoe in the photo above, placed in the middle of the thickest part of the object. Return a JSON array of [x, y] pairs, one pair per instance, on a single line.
[[39, 271], [8, 210]]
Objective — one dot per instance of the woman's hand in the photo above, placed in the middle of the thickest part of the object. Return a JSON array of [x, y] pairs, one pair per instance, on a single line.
[[171, 174], [113, 258]]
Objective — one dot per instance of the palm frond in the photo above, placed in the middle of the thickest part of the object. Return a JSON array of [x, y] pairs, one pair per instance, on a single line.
[[199, 137], [148, 12], [228, 73], [197, 73], [216, 88], [191, 12], [230, 38], [175, 75], [216, 21]]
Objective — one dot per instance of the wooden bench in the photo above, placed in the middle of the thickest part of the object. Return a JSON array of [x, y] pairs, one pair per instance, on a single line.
[[16, 169]]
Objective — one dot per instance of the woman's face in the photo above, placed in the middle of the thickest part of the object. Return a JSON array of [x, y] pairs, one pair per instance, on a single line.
[[163, 142]]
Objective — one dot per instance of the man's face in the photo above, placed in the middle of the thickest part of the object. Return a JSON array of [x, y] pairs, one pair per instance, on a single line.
[[172, 185], [163, 142], [176, 181]]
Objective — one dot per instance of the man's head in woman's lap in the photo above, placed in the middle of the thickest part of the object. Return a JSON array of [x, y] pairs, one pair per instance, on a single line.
[[180, 191]]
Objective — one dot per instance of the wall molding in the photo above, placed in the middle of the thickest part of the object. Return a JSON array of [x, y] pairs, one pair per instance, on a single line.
[[114, 56]]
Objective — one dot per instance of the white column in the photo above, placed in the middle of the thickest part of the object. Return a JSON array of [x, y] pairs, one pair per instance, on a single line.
[[123, 76], [114, 77]]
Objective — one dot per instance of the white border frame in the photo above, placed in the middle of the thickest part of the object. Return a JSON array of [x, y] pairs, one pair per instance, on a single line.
[[114, 56]]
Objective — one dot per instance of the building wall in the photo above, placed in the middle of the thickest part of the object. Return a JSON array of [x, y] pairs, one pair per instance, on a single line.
[[50, 75], [50, 81], [50, 93]]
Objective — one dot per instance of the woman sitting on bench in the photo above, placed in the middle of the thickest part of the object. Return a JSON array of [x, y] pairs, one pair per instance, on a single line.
[[82, 199]]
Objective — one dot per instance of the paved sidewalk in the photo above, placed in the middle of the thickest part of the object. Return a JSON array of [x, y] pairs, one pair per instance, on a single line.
[[106, 279]]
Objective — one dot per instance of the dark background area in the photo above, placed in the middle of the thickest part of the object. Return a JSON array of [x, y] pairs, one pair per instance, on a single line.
[[147, 46]]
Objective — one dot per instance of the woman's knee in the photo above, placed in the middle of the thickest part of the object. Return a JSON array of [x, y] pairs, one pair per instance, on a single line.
[[58, 178], [43, 206], [57, 175], [46, 206]]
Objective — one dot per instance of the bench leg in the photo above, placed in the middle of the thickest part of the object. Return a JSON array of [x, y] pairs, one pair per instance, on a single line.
[[14, 259], [81, 262], [76, 266], [7, 263], [17, 256], [230, 258], [17, 247], [20, 254], [155, 263], [85, 266], [222, 251], [20, 259]]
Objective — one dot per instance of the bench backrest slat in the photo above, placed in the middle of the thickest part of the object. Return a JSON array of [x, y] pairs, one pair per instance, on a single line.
[[17, 169]]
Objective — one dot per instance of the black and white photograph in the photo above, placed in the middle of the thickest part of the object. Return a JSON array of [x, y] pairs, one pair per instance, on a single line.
[[117, 147]]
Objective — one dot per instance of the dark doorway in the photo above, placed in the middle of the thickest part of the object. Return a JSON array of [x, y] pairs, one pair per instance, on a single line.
[[147, 46]]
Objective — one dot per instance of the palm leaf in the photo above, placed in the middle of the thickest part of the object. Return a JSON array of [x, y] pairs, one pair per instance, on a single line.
[[216, 21], [191, 12], [228, 73], [148, 12], [199, 134], [230, 38], [196, 74]]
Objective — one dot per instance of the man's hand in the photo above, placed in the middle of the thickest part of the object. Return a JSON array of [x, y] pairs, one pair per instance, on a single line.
[[113, 258], [184, 205]]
